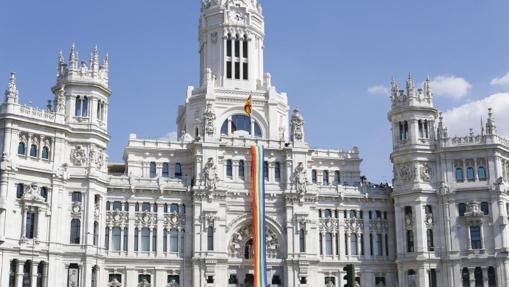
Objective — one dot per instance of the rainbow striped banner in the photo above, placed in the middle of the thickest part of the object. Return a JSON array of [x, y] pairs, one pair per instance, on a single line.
[[258, 210]]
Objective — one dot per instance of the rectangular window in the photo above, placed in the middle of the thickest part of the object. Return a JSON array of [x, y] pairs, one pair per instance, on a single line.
[[386, 245], [76, 196], [475, 236], [277, 171], [144, 278], [30, 225], [245, 71], [228, 48], [237, 70], [126, 233], [237, 48], [228, 69], [166, 170], [245, 49], [241, 168], [371, 244], [313, 176], [379, 245], [174, 279], [113, 277], [266, 170]]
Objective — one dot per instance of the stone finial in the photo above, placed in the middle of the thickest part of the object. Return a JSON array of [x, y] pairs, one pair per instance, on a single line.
[[73, 58], [491, 128], [94, 59], [410, 85], [12, 93], [427, 88]]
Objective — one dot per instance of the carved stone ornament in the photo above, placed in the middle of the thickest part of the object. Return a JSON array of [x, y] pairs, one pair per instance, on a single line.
[[328, 225], [297, 126], [425, 172], [79, 156], [60, 100], [205, 4], [117, 218], [209, 175], [97, 157], [428, 221], [209, 118], [299, 179], [114, 283], [378, 225], [409, 222], [406, 172], [31, 194], [144, 283], [354, 225], [245, 234], [174, 221], [474, 210], [145, 219], [173, 283], [76, 210]]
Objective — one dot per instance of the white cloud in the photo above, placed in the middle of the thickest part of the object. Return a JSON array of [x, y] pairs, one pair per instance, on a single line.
[[378, 90], [502, 81], [460, 119], [171, 136], [450, 87]]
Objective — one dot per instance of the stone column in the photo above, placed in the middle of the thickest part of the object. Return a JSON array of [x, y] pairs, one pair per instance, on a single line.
[[485, 276], [130, 230], [160, 229], [45, 275], [471, 271], [19, 273], [33, 274]]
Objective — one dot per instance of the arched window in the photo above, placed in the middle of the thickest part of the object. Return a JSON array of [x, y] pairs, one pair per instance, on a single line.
[[428, 209], [115, 238], [353, 213], [241, 124], [210, 238], [485, 208], [229, 168], [276, 280], [27, 277], [174, 240], [241, 168], [166, 169], [411, 277], [475, 237], [478, 277], [277, 171], [462, 208], [178, 170], [77, 107], [314, 176], [85, 107], [429, 236], [328, 243], [353, 243], [117, 205], [248, 249], [21, 148], [75, 231], [465, 277], [302, 240], [492, 277], [337, 177], [459, 174], [153, 171], [33, 150], [145, 207], [45, 152], [481, 173], [327, 213], [325, 179], [470, 174], [145, 239], [12, 273]]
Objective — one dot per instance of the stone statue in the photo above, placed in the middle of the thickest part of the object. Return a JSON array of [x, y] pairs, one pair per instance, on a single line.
[[209, 118], [209, 175], [299, 179], [297, 126]]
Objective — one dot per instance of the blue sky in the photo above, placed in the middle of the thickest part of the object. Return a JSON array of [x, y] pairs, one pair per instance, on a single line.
[[333, 58]]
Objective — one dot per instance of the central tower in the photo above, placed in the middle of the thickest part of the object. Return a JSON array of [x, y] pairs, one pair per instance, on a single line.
[[231, 43]]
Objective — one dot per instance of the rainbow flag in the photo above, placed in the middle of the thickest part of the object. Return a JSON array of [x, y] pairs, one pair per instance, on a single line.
[[258, 211]]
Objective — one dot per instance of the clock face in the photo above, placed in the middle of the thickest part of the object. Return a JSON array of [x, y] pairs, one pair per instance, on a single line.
[[237, 17]]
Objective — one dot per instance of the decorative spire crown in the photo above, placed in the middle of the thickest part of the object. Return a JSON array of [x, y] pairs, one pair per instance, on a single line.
[[91, 71], [412, 96], [12, 92]]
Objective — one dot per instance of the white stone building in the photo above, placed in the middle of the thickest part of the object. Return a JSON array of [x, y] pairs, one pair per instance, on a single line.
[[177, 213], [450, 196]]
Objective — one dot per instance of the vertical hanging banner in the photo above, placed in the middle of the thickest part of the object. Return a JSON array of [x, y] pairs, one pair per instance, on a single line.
[[258, 213]]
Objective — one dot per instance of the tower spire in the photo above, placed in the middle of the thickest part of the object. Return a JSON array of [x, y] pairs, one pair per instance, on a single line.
[[12, 92], [73, 58], [410, 86]]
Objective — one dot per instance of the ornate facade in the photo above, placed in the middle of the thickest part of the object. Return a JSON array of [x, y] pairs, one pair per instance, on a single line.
[[177, 213]]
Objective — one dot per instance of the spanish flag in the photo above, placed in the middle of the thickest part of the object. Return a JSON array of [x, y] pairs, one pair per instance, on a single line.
[[248, 105]]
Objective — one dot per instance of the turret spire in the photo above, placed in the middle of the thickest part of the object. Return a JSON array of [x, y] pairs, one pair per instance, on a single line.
[[491, 128], [12, 93], [73, 58], [410, 86]]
